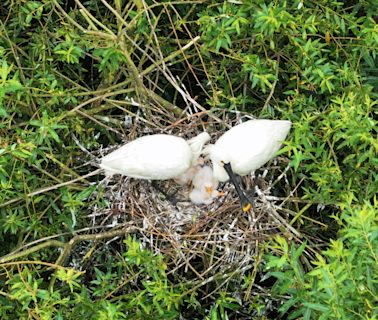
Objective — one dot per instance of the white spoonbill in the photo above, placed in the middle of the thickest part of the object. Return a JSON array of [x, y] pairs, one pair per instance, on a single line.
[[205, 186], [244, 148], [155, 157]]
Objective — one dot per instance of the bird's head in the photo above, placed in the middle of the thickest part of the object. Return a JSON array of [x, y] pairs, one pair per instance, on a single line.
[[218, 157]]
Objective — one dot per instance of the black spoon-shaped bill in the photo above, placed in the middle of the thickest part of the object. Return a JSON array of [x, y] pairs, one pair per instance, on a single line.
[[245, 202]]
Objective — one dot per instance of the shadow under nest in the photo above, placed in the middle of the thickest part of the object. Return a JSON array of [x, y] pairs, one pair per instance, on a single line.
[[220, 235]]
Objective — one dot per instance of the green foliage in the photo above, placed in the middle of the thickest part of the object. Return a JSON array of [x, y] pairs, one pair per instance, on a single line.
[[269, 19], [222, 304], [165, 298], [71, 73], [69, 276], [295, 48], [338, 149], [152, 296], [29, 11], [7, 85], [68, 52], [111, 59], [310, 57], [46, 129], [344, 281]]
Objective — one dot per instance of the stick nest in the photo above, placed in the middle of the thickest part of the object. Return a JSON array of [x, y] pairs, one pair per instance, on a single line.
[[218, 235]]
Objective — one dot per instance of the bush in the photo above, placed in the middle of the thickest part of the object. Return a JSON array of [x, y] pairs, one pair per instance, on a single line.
[[343, 282], [74, 73]]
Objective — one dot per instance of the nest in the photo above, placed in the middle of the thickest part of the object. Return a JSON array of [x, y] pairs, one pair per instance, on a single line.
[[219, 236]]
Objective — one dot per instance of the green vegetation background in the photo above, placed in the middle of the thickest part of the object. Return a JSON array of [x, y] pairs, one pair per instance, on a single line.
[[72, 69]]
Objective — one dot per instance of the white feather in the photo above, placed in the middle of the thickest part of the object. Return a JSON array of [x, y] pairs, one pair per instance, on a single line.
[[154, 157], [247, 146]]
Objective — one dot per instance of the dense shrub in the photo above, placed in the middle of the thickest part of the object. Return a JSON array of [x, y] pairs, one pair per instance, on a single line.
[[71, 71]]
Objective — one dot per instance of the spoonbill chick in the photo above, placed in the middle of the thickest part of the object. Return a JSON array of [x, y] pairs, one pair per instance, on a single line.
[[187, 177], [155, 157], [204, 179], [245, 148], [205, 186], [198, 196]]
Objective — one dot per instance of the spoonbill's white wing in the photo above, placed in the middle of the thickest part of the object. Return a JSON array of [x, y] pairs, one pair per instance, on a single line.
[[251, 144], [154, 157]]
